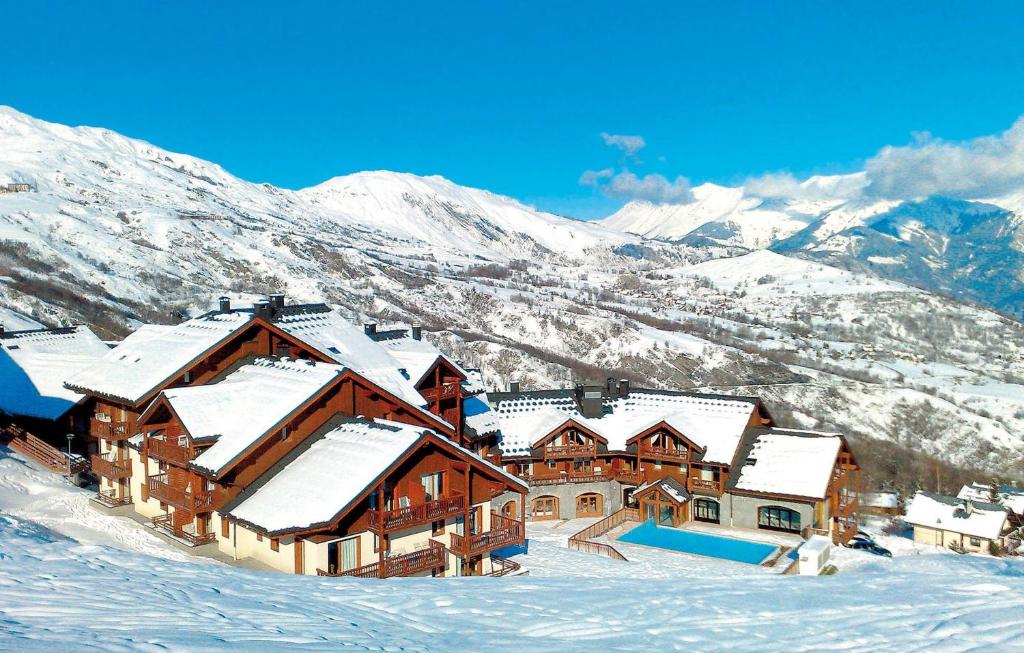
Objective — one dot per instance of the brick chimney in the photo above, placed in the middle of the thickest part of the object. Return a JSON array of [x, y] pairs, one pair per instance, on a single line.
[[277, 300], [261, 308], [513, 386], [370, 328], [225, 304], [417, 332]]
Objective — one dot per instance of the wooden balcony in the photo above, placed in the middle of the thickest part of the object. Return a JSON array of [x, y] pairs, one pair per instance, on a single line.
[[165, 523], [108, 466], [422, 514], [626, 476], [664, 453], [446, 391], [113, 431], [164, 492], [570, 451], [701, 484], [110, 499], [433, 557], [623, 476], [504, 532], [848, 504], [168, 452]]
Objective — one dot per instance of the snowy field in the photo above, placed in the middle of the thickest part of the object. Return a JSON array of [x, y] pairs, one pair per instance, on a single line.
[[71, 578]]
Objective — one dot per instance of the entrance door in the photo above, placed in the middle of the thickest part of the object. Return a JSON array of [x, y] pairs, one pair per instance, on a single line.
[[666, 516], [651, 512], [545, 507]]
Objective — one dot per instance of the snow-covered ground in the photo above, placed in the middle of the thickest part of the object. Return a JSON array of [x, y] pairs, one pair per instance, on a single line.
[[71, 578]]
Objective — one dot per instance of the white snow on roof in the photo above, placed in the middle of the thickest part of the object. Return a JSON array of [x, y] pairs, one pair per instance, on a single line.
[[710, 422], [980, 492], [784, 463], [323, 480], [246, 404], [346, 344], [479, 416], [35, 364], [880, 500], [971, 518], [153, 355]]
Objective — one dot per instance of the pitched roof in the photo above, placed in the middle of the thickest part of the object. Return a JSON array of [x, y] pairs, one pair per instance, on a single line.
[[782, 461], [345, 343], [670, 486], [237, 411], [971, 518], [330, 471], [154, 354], [1008, 498], [35, 363], [712, 422]]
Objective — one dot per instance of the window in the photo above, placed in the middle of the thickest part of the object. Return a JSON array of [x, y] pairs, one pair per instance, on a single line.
[[433, 485], [588, 505], [259, 537], [343, 555], [284, 433], [476, 520], [776, 518], [975, 541], [437, 527], [275, 544], [225, 527], [545, 507], [552, 464], [188, 377], [706, 510]]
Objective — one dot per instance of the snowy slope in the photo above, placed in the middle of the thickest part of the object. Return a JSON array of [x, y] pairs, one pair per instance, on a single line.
[[84, 581]]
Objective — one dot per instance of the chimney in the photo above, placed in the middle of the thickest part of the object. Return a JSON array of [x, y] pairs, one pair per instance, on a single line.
[[225, 305], [277, 300], [261, 308], [624, 387], [591, 400], [417, 332], [513, 386], [1, 331], [611, 386], [370, 328]]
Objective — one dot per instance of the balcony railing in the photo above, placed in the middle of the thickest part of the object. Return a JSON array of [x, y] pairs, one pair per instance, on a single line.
[[623, 476], [108, 466], [662, 452], [504, 532], [702, 484], [433, 557], [413, 515], [446, 391], [113, 431], [161, 490], [167, 451], [570, 451], [110, 499], [165, 523], [848, 503]]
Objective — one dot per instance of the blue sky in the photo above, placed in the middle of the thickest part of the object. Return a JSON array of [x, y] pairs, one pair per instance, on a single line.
[[514, 97]]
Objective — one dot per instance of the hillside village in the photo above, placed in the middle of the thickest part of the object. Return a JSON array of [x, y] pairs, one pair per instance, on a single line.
[[284, 437]]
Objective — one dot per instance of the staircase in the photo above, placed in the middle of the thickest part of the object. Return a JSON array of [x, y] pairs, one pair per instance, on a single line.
[[40, 451], [581, 541]]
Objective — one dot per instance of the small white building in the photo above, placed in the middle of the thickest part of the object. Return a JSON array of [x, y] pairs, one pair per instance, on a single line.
[[814, 554], [1012, 498], [880, 503], [946, 521]]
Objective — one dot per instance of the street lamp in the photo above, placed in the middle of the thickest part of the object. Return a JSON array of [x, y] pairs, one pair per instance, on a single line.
[[71, 436]]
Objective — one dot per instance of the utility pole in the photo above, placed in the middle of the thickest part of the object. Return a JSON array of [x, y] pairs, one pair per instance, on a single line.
[[71, 436]]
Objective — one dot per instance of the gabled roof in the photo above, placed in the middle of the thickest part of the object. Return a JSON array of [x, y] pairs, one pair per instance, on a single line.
[[34, 365], [346, 344], [325, 477], [153, 355], [1011, 498], [787, 462], [672, 488], [971, 518], [709, 421], [246, 405]]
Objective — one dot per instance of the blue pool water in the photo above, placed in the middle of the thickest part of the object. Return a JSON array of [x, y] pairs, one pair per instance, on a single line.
[[702, 544]]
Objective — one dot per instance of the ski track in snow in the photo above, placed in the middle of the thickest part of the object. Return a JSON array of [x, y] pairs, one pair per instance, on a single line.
[[115, 587]]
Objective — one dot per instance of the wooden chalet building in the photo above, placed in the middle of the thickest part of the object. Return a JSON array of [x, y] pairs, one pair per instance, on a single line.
[[677, 456]]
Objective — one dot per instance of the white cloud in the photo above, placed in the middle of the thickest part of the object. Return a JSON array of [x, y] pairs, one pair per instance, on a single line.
[[652, 188], [982, 167], [784, 185], [595, 177], [630, 145]]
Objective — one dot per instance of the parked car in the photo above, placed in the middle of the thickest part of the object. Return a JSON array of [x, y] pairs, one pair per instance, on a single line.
[[870, 547]]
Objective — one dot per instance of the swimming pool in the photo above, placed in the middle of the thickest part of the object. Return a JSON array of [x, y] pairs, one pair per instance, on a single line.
[[702, 544]]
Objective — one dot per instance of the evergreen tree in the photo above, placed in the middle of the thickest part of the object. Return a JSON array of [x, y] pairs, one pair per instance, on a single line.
[[993, 492]]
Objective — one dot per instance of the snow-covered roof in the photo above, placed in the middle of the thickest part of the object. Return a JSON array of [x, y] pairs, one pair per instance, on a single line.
[[155, 354], [715, 423], [479, 416], [245, 405], [964, 516], [880, 500], [670, 486], [328, 475], [346, 344], [981, 492], [795, 463], [34, 365]]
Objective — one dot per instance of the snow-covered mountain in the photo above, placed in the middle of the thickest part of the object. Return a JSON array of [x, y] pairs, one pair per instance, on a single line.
[[120, 231]]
